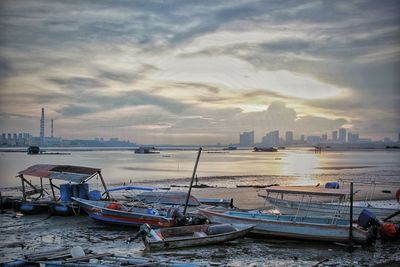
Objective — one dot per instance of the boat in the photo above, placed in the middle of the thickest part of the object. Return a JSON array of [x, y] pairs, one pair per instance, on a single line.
[[146, 150], [194, 235], [291, 226], [123, 214], [58, 201], [275, 196], [265, 149], [173, 198]]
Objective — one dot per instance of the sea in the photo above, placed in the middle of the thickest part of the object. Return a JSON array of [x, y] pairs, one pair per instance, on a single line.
[[290, 166]]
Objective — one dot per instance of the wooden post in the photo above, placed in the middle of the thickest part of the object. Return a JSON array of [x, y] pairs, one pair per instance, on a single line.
[[23, 187], [191, 181], [351, 217], [104, 185], [1, 204], [52, 189]]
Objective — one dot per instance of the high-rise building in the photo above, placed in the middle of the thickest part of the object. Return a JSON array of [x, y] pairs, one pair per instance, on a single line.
[[334, 136], [52, 136], [324, 138], [352, 138], [246, 139], [42, 128], [271, 139], [302, 138], [342, 135], [289, 138], [313, 139]]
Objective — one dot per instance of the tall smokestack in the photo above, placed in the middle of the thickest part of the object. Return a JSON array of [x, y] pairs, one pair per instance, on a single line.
[[42, 128], [52, 128]]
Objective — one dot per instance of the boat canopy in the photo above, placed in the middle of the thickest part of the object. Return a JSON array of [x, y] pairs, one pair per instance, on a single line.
[[76, 174], [308, 190]]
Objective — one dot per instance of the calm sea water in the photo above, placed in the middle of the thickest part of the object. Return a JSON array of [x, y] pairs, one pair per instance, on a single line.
[[290, 166]]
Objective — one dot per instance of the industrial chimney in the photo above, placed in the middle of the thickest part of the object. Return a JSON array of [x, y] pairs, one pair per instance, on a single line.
[[42, 128]]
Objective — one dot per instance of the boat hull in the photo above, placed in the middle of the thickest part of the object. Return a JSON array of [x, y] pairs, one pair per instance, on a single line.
[[180, 242], [290, 227], [324, 209], [125, 218]]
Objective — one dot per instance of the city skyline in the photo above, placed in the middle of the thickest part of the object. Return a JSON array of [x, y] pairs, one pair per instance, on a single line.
[[197, 73]]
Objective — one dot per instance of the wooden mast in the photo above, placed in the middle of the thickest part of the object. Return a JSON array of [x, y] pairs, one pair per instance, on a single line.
[[191, 181]]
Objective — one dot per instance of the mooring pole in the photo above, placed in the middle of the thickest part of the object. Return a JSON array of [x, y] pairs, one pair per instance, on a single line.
[[191, 181], [351, 217], [1, 204]]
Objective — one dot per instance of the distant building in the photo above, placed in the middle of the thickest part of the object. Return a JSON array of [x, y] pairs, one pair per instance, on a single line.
[[302, 138], [271, 139], [352, 138], [246, 139], [324, 138], [387, 140], [313, 140], [398, 138], [289, 138], [334, 136], [342, 135]]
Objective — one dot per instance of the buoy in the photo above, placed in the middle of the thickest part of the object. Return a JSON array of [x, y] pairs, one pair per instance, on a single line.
[[114, 206], [389, 230]]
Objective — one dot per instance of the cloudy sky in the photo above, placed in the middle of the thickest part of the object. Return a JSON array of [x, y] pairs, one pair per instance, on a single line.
[[199, 72]]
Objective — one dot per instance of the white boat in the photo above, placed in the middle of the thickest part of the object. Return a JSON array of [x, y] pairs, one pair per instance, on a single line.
[[194, 235], [292, 226], [308, 207]]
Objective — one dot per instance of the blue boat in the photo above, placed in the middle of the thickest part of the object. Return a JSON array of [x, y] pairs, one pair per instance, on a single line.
[[120, 214], [291, 226]]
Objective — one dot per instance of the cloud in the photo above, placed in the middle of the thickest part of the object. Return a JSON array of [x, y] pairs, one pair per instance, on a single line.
[[187, 70]]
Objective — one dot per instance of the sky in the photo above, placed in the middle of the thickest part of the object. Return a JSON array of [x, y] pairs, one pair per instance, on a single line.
[[199, 72]]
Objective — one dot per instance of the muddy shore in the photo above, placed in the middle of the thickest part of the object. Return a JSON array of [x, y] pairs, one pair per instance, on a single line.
[[26, 234]]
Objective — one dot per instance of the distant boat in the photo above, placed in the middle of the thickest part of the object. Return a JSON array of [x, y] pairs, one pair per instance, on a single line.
[[265, 149], [291, 226], [146, 150], [231, 148], [33, 150], [194, 235]]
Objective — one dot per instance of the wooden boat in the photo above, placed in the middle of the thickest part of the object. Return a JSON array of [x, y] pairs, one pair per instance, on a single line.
[[177, 198], [291, 226], [120, 214], [313, 208], [194, 235]]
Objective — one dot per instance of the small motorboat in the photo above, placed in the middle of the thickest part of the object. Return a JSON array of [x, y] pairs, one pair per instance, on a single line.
[[189, 236]]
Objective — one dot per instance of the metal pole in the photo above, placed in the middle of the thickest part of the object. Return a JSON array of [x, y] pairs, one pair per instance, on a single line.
[[191, 181], [1, 204], [104, 185], [23, 187], [351, 217], [52, 189]]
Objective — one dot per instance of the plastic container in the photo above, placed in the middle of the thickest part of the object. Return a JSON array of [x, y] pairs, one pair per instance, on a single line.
[[65, 192], [83, 191], [366, 218], [95, 195], [333, 185], [75, 190]]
